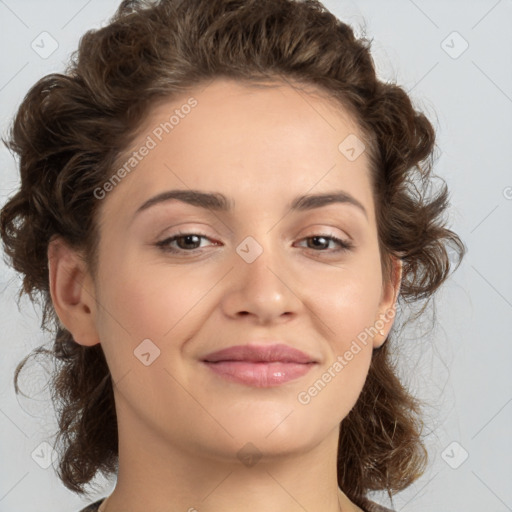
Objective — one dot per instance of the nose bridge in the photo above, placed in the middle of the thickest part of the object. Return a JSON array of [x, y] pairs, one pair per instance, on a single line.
[[260, 284], [262, 261]]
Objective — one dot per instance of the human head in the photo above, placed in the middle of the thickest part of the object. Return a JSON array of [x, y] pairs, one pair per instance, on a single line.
[[72, 130]]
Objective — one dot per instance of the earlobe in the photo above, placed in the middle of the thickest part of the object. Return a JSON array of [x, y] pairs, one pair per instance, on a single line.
[[387, 307], [72, 292]]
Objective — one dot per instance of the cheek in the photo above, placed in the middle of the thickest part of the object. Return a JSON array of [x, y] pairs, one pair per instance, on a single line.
[[139, 304], [143, 301], [346, 300], [345, 304], [347, 314], [143, 298]]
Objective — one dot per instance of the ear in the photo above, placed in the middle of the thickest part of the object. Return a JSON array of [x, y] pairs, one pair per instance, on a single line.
[[72, 292], [387, 306]]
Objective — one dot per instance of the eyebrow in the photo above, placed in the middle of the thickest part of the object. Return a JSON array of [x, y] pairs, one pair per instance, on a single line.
[[219, 202]]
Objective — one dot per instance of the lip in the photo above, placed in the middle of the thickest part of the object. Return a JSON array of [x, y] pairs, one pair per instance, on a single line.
[[278, 352], [260, 365]]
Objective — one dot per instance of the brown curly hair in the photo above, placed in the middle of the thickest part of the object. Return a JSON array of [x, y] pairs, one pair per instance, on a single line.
[[72, 128]]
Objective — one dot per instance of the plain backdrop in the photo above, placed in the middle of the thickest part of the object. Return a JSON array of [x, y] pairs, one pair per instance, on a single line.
[[455, 60]]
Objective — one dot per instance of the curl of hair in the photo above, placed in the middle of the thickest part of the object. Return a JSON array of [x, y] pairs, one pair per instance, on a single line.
[[71, 129]]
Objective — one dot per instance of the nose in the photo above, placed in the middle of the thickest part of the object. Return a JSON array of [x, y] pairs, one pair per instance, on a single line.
[[263, 288]]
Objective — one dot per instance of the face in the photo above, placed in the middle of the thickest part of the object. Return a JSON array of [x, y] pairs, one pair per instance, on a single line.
[[263, 271]]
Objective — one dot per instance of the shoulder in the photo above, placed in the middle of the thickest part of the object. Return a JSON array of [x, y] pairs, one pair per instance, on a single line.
[[93, 507]]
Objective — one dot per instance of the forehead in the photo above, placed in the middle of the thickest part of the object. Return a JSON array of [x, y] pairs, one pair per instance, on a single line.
[[231, 106], [241, 139]]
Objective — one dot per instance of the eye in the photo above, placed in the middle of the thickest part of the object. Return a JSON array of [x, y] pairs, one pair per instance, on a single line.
[[188, 242], [183, 239], [320, 240]]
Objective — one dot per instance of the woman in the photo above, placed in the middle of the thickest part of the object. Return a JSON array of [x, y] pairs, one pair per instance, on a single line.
[[250, 370]]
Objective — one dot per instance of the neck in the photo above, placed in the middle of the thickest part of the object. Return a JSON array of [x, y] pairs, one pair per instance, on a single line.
[[154, 474]]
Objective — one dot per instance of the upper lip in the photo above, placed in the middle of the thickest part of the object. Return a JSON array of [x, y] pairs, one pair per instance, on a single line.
[[260, 353]]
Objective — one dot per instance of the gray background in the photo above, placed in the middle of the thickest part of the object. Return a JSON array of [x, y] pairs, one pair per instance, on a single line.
[[462, 366]]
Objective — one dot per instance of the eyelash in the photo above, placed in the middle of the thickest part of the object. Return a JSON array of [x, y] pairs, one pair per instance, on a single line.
[[164, 245]]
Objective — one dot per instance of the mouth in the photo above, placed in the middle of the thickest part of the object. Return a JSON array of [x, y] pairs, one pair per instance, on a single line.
[[277, 352], [260, 365]]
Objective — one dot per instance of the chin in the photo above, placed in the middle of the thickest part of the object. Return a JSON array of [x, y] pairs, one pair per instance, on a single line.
[[275, 431]]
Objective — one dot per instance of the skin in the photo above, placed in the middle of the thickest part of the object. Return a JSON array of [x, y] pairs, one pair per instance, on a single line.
[[180, 425]]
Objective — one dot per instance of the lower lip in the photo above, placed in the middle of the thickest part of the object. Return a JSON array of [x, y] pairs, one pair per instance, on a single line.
[[259, 374]]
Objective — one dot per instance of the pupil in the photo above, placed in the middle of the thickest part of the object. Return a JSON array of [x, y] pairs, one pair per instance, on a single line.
[[316, 238], [188, 238]]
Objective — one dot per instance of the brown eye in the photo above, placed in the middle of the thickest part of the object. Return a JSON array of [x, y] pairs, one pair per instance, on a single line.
[[187, 242], [320, 241]]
